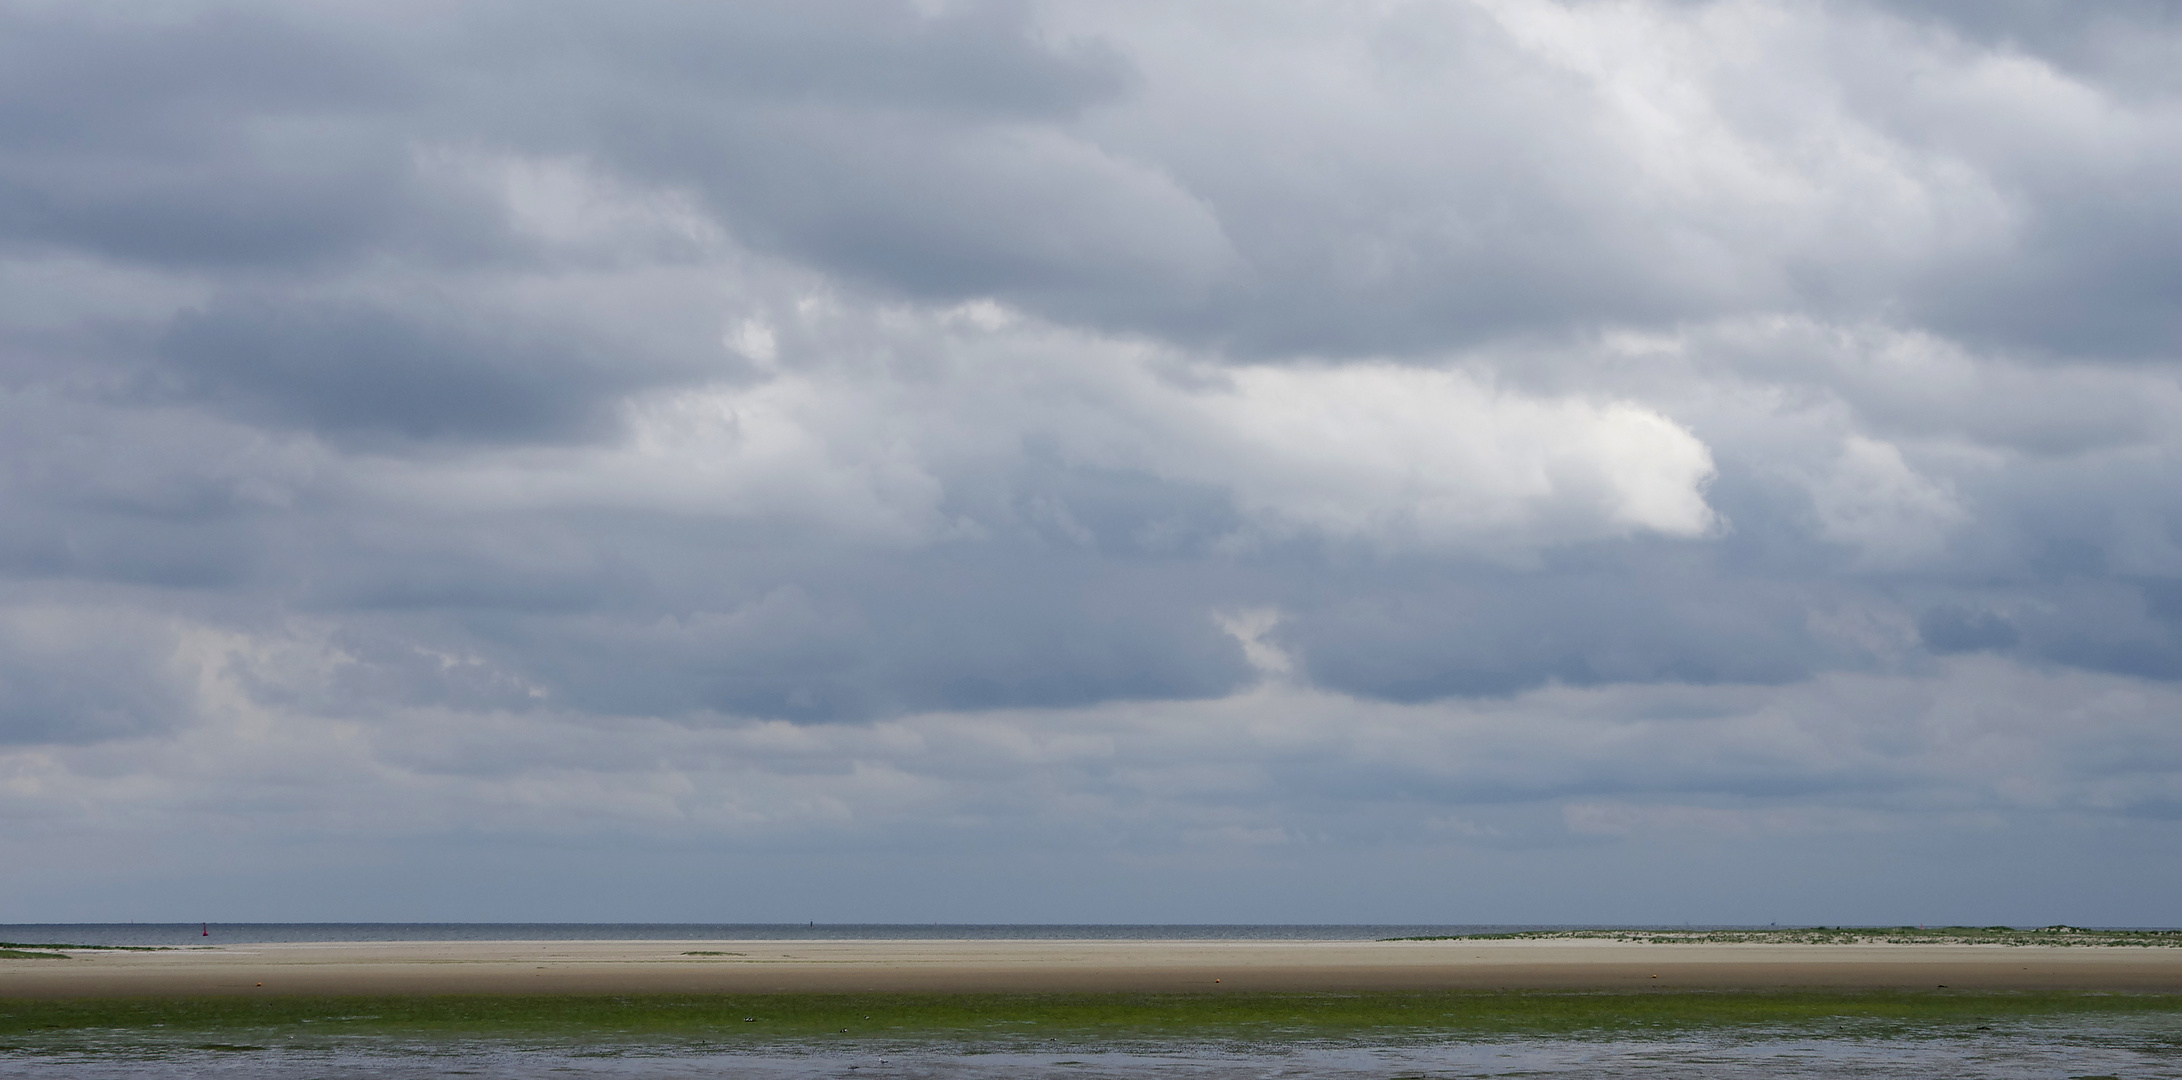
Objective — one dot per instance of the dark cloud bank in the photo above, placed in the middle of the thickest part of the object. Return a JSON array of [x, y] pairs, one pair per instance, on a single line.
[[1503, 441]]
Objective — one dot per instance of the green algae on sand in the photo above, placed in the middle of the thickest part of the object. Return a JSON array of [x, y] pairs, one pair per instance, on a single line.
[[759, 1019]]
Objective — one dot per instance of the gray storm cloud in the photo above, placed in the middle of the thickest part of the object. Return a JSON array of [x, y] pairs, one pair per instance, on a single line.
[[1455, 445]]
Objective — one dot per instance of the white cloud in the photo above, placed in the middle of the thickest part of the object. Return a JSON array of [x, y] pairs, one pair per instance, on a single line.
[[1249, 629], [1403, 458], [1871, 499], [1395, 458], [574, 208]]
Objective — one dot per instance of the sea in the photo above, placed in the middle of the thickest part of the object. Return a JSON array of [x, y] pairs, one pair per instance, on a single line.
[[255, 933], [2072, 1048], [173, 934], [2103, 1050]]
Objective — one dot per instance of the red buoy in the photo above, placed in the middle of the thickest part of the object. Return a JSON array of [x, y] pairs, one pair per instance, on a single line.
[[208, 929]]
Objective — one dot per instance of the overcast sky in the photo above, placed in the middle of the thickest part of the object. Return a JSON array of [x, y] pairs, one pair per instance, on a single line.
[[867, 460]]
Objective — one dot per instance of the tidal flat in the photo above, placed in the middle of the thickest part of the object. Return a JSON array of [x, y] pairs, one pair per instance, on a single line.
[[824, 1019], [1385, 1035]]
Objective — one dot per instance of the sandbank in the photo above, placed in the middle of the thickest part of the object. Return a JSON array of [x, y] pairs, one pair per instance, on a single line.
[[985, 966]]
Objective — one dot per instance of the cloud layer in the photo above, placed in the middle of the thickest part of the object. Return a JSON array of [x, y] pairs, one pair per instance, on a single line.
[[1061, 457]]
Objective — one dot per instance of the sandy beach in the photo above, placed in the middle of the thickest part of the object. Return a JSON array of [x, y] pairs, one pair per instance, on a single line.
[[584, 967]]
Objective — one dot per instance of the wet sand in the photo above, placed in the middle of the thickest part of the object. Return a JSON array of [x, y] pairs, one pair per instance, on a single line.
[[595, 967]]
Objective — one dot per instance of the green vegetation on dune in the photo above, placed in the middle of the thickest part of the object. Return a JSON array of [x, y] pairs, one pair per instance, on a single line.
[[996, 1018], [1849, 935]]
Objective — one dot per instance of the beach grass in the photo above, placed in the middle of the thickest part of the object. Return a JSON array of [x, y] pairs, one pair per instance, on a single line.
[[2070, 936], [740, 1019]]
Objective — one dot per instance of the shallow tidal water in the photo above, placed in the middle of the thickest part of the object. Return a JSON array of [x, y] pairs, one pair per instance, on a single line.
[[174, 935], [2125, 1050]]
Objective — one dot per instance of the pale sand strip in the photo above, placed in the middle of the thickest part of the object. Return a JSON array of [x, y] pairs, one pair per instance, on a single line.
[[1058, 966]]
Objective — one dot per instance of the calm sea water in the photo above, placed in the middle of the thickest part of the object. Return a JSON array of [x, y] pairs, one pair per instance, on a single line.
[[239, 933], [2023, 1052], [244, 933]]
